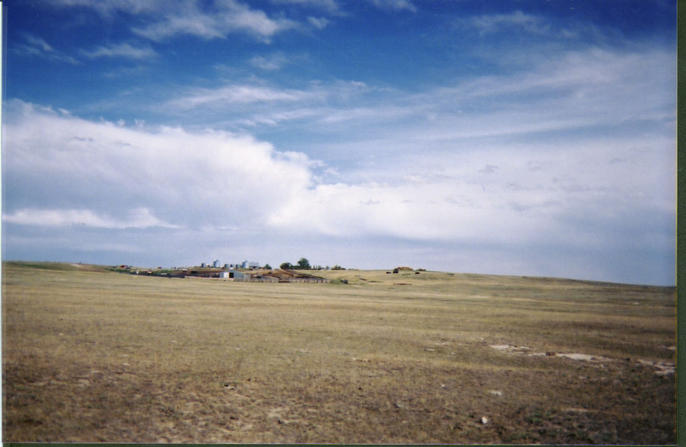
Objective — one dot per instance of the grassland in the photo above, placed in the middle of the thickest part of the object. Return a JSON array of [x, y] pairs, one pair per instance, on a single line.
[[91, 355]]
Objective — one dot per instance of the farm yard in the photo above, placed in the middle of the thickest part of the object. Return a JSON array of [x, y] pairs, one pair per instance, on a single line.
[[90, 355]]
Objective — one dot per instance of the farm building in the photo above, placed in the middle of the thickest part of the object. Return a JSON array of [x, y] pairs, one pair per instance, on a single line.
[[257, 278], [292, 276], [204, 273], [236, 275], [279, 275], [254, 275]]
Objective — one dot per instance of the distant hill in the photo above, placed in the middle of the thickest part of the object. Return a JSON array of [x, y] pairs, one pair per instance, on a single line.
[[64, 266]]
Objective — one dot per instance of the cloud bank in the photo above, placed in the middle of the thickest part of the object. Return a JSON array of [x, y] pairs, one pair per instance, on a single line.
[[63, 171]]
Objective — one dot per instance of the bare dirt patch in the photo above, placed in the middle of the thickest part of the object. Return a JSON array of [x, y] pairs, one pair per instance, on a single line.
[[662, 368]]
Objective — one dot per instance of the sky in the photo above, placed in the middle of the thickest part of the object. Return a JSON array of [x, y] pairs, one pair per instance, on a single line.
[[511, 137]]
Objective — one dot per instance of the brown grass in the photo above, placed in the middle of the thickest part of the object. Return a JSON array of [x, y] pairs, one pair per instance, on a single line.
[[90, 355]]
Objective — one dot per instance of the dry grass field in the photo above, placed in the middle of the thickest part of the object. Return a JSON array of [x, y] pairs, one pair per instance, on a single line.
[[91, 355]]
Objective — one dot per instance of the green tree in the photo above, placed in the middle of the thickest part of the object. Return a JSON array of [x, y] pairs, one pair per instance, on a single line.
[[304, 264], [267, 267], [286, 266]]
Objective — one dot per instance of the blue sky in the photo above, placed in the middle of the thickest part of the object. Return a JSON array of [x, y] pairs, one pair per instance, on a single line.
[[507, 137]]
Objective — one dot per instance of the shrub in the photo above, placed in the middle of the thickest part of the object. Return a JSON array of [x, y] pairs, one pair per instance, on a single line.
[[338, 281]]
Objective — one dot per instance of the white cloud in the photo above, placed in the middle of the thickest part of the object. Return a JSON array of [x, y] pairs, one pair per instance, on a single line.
[[235, 94], [237, 97], [590, 195], [445, 164], [269, 63], [38, 47], [318, 22], [207, 20], [104, 175], [394, 5], [497, 22], [107, 8], [596, 161], [529, 194], [585, 74], [173, 178], [125, 50], [330, 6], [38, 43], [228, 16], [574, 91], [138, 218]]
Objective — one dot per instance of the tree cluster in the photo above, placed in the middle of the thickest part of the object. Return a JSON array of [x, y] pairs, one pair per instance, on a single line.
[[303, 264]]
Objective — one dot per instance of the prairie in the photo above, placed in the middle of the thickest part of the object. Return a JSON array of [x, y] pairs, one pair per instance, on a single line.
[[91, 355]]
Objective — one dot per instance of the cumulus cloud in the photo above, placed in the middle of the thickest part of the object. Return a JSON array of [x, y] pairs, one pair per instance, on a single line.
[[106, 175], [537, 194], [61, 169]]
